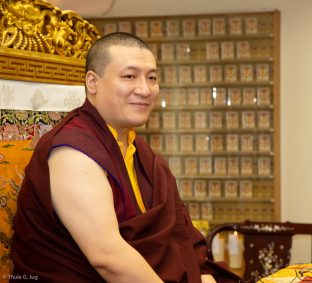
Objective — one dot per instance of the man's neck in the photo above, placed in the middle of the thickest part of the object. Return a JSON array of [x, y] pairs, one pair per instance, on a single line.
[[122, 136]]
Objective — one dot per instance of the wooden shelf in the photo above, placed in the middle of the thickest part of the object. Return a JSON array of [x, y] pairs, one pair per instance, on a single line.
[[208, 38], [221, 61], [229, 200], [194, 153], [204, 131]]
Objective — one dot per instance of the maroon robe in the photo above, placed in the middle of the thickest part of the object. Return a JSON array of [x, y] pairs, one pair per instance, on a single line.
[[164, 235]]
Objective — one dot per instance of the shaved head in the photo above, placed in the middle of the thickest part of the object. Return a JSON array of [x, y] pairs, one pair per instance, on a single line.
[[99, 56]]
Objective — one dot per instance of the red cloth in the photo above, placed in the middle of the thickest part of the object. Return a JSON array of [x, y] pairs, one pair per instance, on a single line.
[[164, 234]]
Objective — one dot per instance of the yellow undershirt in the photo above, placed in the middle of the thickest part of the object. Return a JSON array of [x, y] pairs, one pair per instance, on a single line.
[[128, 158]]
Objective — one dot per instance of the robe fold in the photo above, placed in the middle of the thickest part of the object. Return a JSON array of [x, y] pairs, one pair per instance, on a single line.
[[164, 235]]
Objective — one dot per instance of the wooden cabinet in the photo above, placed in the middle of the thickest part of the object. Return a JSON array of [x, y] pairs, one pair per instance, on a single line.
[[217, 118]]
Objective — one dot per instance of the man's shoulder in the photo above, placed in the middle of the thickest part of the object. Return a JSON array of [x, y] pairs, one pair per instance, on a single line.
[[76, 134]]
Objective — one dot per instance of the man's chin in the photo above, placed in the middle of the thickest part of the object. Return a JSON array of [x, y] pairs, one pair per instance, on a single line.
[[138, 124], [138, 120]]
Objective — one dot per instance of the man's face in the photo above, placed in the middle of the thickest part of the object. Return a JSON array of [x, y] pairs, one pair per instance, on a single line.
[[125, 93]]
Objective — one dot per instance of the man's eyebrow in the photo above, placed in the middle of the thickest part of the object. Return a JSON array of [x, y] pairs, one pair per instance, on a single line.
[[151, 70]]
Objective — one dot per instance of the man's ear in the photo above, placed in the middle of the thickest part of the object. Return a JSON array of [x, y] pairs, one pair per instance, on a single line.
[[91, 81]]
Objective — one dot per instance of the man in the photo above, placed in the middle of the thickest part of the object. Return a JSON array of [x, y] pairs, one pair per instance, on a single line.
[[96, 204]]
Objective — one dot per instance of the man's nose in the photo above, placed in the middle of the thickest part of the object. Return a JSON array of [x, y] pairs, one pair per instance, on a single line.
[[143, 87]]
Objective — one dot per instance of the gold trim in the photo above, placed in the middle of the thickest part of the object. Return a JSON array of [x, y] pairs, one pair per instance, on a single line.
[[36, 25], [40, 67]]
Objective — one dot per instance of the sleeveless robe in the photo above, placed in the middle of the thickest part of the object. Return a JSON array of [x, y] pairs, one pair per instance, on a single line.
[[164, 235]]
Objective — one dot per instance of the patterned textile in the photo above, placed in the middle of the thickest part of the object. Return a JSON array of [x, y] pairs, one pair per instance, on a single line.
[[19, 132], [300, 273], [24, 125], [14, 155], [25, 95]]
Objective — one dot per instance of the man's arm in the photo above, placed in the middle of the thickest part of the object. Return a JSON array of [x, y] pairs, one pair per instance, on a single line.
[[82, 198]]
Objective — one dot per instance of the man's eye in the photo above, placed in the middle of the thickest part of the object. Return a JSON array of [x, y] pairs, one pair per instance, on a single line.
[[152, 78], [128, 76]]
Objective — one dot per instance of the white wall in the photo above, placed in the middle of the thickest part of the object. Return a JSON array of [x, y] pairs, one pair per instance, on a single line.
[[296, 91]]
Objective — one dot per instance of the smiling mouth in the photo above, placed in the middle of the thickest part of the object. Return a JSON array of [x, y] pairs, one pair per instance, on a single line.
[[145, 104]]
